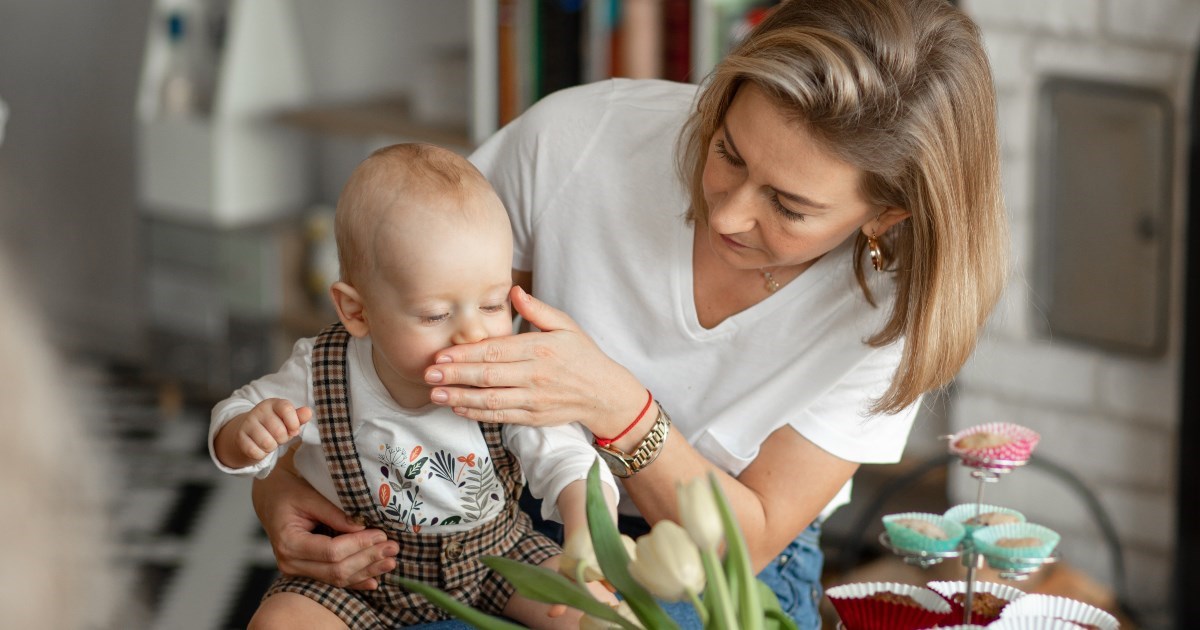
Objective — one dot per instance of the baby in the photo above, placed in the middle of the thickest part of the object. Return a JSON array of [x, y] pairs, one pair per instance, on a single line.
[[425, 250]]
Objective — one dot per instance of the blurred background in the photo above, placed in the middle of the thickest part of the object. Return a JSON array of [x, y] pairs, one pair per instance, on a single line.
[[168, 170]]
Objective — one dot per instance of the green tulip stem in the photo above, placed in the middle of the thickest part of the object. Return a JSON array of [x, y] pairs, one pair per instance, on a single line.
[[699, 606], [737, 556], [579, 575], [717, 593]]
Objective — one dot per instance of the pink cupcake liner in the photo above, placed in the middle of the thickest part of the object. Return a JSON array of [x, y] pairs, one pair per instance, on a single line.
[[949, 589], [1017, 450], [858, 612], [1063, 608]]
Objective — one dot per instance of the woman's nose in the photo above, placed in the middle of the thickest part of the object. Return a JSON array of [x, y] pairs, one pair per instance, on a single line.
[[736, 212], [469, 330]]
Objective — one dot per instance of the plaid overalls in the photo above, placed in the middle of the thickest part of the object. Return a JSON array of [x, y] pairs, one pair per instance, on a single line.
[[448, 561]]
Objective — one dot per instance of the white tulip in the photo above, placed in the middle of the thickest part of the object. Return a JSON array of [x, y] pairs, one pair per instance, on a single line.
[[578, 552], [668, 563], [699, 513]]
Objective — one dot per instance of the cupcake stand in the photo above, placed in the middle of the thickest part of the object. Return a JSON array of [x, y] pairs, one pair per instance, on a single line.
[[985, 471], [975, 533]]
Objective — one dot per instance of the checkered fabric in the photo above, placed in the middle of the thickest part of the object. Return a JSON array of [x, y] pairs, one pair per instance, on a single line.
[[448, 561]]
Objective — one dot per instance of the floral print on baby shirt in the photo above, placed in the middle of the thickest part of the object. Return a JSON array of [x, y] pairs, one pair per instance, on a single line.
[[409, 476]]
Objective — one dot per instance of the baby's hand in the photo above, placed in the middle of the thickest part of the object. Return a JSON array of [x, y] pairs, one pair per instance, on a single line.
[[268, 425], [603, 592]]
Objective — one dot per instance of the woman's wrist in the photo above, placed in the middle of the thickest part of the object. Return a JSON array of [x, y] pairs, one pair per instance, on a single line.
[[619, 425], [631, 440]]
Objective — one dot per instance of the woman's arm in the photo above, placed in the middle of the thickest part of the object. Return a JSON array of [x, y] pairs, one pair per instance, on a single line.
[[290, 509], [560, 376], [775, 497]]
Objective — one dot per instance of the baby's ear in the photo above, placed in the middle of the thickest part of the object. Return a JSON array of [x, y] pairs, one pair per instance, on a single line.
[[349, 305]]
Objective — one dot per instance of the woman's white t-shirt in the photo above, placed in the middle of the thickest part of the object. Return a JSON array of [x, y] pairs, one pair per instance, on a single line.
[[588, 176]]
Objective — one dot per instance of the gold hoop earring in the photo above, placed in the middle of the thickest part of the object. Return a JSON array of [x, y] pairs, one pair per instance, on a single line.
[[876, 252]]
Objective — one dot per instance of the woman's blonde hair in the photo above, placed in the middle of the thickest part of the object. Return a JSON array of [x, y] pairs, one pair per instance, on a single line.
[[901, 89]]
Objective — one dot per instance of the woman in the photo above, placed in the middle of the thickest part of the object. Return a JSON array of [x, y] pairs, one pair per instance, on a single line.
[[837, 244]]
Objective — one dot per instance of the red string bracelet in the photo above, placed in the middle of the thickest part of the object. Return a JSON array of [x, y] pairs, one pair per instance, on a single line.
[[605, 442]]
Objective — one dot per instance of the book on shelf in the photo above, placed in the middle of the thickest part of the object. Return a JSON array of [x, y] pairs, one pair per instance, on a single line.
[[548, 45]]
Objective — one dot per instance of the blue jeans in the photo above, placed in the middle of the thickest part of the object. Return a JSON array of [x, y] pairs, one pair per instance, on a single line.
[[795, 576]]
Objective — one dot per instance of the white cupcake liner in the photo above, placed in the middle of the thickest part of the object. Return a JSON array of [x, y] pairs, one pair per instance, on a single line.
[[963, 626], [949, 589], [858, 590], [985, 539], [1031, 623], [963, 512], [909, 539], [1037, 605]]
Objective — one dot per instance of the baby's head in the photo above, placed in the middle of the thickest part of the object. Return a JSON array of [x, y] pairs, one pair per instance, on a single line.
[[425, 249]]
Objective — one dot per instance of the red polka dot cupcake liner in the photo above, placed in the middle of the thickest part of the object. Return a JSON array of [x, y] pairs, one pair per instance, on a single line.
[[994, 445]]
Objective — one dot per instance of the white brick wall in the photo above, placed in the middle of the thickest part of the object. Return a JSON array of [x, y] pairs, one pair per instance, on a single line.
[[1109, 419]]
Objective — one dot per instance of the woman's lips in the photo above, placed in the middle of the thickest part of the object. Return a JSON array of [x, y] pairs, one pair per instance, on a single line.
[[732, 243]]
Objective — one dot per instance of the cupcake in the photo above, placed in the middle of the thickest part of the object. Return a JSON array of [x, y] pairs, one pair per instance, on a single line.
[[988, 600], [973, 516], [887, 606], [997, 445], [1015, 546], [1061, 608], [921, 532]]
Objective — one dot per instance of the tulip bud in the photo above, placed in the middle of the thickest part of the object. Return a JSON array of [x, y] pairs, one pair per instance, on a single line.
[[699, 513], [579, 556], [668, 563], [579, 552]]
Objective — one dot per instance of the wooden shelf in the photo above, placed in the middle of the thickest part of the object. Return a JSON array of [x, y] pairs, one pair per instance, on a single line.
[[386, 116]]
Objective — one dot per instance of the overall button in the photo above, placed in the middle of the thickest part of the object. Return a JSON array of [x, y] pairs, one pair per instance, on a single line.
[[453, 550]]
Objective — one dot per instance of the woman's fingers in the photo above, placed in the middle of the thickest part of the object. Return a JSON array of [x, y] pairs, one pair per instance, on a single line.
[[540, 314], [358, 568]]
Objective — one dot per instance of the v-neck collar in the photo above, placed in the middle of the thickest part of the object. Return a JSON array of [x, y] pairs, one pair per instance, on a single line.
[[817, 274]]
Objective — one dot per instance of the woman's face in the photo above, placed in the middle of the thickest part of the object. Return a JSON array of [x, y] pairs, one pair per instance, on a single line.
[[776, 198]]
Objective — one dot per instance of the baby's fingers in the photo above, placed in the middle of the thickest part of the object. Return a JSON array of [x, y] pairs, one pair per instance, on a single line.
[[289, 420]]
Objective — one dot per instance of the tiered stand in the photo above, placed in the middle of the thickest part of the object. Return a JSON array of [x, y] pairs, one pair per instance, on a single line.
[[985, 472]]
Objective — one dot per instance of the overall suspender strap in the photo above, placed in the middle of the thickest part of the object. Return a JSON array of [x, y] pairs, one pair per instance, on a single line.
[[331, 391]]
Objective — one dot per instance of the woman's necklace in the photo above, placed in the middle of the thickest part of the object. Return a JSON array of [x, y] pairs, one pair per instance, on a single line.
[[772, 285]]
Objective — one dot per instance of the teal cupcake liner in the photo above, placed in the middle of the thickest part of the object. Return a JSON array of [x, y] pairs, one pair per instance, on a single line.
[[962, 513], [908, 539], [985, 539]]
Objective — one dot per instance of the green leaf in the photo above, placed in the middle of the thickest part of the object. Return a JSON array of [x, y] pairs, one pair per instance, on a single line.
[[742, 580], [776, 619], [614, 561], [443, 600], [721, 613], [414, 469], [544, 585]]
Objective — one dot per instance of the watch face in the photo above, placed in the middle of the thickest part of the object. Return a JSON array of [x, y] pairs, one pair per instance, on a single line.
[[615, 463]]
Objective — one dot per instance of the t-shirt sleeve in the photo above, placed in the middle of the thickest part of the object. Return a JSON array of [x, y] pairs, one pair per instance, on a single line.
[[529, 160], [552, 458], [292, 383], [839, 421]]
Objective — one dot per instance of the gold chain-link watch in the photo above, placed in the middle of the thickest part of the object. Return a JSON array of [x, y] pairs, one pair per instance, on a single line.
[[625, 465]]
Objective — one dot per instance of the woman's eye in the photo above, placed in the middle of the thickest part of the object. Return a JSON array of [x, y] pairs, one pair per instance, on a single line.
[[724, 154], [784, 212], [434, 319], [494, 308]]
